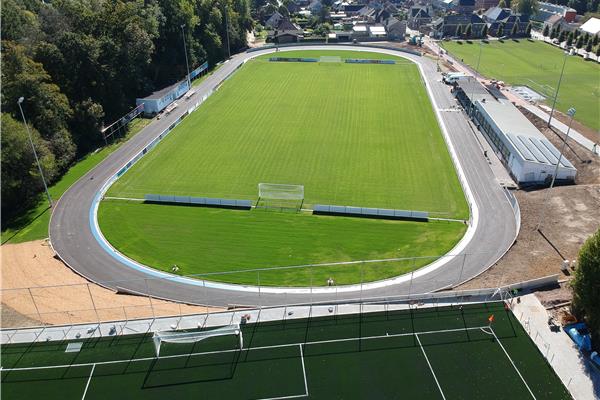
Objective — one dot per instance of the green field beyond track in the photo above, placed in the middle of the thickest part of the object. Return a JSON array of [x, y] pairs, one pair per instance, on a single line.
[[538, 65], [418, 354], [208, 240], [359, 135]]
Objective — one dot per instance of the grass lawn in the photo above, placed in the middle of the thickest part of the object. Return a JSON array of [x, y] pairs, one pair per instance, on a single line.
[[383, 355], [203, 240], [538, 64], [361, 135], [32, 224]]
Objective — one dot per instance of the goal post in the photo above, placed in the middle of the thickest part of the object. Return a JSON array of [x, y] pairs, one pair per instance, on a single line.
[[186, 337], [282, 196], [330, 60]]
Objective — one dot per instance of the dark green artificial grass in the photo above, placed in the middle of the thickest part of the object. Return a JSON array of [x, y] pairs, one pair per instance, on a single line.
[[468, 364], [207, 240], [538, 65]]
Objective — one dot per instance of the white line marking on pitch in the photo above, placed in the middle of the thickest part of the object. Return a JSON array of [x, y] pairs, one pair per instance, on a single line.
[[512, 362], [87, 385], [430, 367]]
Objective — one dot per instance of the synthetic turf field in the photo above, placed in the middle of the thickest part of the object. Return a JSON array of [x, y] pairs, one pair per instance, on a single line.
[[359, 135], [537, 64], [426, 354], [204, 240]]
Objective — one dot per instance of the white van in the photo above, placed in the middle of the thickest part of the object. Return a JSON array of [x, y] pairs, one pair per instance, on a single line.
[[452, 77]]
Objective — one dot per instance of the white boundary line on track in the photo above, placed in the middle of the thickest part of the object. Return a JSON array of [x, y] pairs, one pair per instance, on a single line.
[[87, 385], [454, 252], [353, 339], [512, 362], [430, 367]]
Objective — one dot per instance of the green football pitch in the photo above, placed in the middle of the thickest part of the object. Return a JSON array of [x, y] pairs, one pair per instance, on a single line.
[[427, 353], [359, 135], [538, 65]]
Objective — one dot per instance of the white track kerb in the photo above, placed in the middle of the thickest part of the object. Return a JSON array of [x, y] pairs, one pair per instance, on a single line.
[[439, 263]]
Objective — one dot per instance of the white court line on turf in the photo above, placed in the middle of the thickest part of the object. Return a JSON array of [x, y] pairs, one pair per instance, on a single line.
[[295, 396], [512, 362], [430, 367], [247, 349], [87, 385]]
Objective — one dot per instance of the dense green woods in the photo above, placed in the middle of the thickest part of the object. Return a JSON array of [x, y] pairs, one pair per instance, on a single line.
[[80, 64]]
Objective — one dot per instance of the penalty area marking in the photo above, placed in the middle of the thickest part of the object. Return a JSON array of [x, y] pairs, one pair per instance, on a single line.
[[295, 396], [430, 367], [87, 385]]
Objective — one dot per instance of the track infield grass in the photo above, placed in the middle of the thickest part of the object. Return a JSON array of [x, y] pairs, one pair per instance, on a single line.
[[537, 64], [359, 135], [207, 240], [426, 353]]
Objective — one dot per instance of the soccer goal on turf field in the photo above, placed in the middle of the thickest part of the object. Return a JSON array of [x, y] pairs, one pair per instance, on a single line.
[[330, 60], [280, 196], [185, 337]]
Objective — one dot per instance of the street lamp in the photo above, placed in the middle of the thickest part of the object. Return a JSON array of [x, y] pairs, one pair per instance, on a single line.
[[571, 114], [558, 87], [186, 57], [37, 160]]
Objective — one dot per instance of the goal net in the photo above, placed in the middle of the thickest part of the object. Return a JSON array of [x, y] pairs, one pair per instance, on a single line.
[[192, 337], [274, 195], [330, 60]]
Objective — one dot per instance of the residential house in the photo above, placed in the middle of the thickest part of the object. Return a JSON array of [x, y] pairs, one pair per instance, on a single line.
[[273, 20], [548, 10], [496, 17], [464, 6], [447, 26], [419, 16], [315, 7], [396, 29], [285, 32], [485, 4]]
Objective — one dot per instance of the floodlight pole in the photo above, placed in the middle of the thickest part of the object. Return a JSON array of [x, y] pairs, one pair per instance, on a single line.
[[571, 114], [558, 88], [227, 32], [37, 160], [186, 57]]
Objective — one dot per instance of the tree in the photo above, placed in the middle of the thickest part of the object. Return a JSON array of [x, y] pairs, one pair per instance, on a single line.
[[514, 31], [562, 36], [500, 30], [484, 31], [20, 175], [598, 51], [526, 7], [588, 46], [579, 42], [502, 4], [570, 39], [468, 31], [459, 30], [528, 30], [553, 33], [546, 31], [586, 296], [595, 40]]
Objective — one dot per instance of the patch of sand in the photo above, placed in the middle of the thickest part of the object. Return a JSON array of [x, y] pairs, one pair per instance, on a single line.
[[39, 289]]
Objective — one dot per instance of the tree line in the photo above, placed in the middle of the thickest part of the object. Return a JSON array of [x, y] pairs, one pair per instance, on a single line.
[[80, 64]]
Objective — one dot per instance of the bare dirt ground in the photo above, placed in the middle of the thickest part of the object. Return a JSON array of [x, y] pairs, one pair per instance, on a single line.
[[571, 216], [39, 289]]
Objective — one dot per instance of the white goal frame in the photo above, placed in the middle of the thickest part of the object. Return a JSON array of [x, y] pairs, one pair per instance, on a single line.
[[195, 336], [285, 194]]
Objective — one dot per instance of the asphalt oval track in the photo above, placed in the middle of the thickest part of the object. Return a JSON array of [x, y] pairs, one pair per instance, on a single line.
[[493, 231]]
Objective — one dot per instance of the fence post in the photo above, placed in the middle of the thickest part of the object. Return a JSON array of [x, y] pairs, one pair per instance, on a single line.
[[35, 305], [150, 299], [462, 268], [93, 304]]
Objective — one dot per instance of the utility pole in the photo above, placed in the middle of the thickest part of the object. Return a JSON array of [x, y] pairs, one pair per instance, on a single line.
[[186, 57], [571, 114], [37, 160], [558, 86], [227, 32]]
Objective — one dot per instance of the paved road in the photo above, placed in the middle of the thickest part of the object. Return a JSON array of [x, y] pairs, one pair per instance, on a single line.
[[72, 237]]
